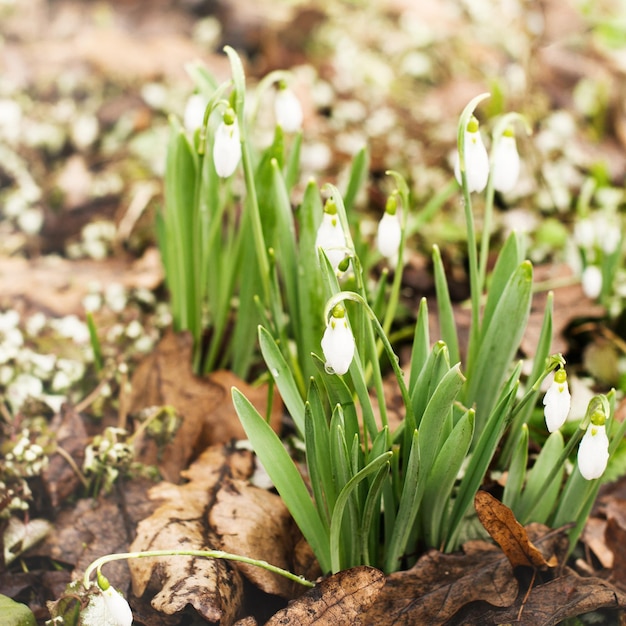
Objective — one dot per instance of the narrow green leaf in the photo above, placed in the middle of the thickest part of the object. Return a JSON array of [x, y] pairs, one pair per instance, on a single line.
[[537, 494], [447, 324], [286, 478], [421, 345], [281, 372], [377, 464], [407, 511], [499, 342], [517, 470], [358, 175], [441, 479]]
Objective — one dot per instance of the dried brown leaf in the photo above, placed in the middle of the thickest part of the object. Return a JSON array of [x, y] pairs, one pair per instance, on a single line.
[[166, 378], [499, 521], [439, 585], [615, 537], [257, 524], [213, 587], [548, 604], [341, 599], [60, 479]]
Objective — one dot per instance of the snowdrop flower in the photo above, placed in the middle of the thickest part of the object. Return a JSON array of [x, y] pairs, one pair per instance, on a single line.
[[330, 235], [288, 110], [338, 343], [476, 159], [227, 145], [194, 112], [593, 452], [389, 230], [557, 401], [506, 163], [591, 280], [107, 608]]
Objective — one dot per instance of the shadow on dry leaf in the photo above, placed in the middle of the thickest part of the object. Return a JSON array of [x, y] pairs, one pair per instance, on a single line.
[[165, 378]]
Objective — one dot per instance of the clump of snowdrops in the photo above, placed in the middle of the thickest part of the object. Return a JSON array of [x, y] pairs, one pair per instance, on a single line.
[[373, 496]]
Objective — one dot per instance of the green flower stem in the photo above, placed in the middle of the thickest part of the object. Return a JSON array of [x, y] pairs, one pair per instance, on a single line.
[[208, 554], [475, 287]]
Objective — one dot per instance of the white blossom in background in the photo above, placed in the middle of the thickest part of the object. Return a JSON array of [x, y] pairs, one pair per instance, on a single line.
[[593, 452], [194, 112], [338, 343], [227, 145], [591, 280], [557, 401], [288, 110], [476, 159], [389, 232], [506, 163], [330, 236], [107, 607]]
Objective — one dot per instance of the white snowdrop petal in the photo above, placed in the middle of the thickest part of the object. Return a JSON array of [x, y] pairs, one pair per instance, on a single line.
[[593, 452], [389, 235], [591, 280], [338, 346], [556, 405], [226, 149], [331, 238], [506, 164], [476, 162], [288, 111]]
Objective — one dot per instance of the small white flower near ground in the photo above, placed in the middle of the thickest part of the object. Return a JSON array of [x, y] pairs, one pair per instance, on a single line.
[[288, 110], [506, 163], [591, 280]]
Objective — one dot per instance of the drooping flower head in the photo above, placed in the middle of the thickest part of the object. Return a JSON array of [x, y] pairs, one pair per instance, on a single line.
[[557, 401], [330, 235], [107, 607], [593, 452], [506, 162], [476, 159], [389, 231], [338, 342], [287, 109], [227, 145]]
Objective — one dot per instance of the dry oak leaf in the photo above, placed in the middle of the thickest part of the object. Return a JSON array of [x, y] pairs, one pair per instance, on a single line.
[[549, 604], [499, 521], [256, 523], [166, 378], [439, 585], [340, 599], [213, 587]]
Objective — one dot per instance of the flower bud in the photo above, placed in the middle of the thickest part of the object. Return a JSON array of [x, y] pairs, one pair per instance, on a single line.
[[227, 145], [476, 159], [506, 163], [194, 112], [107, 607], [557, 401], [338, 343]]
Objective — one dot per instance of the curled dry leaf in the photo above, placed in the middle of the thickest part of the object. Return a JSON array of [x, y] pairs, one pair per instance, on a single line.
[[439, 585], [340, 599], [615, 538], [256, 523], [213, 587], [499, 521], [165, 378]]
